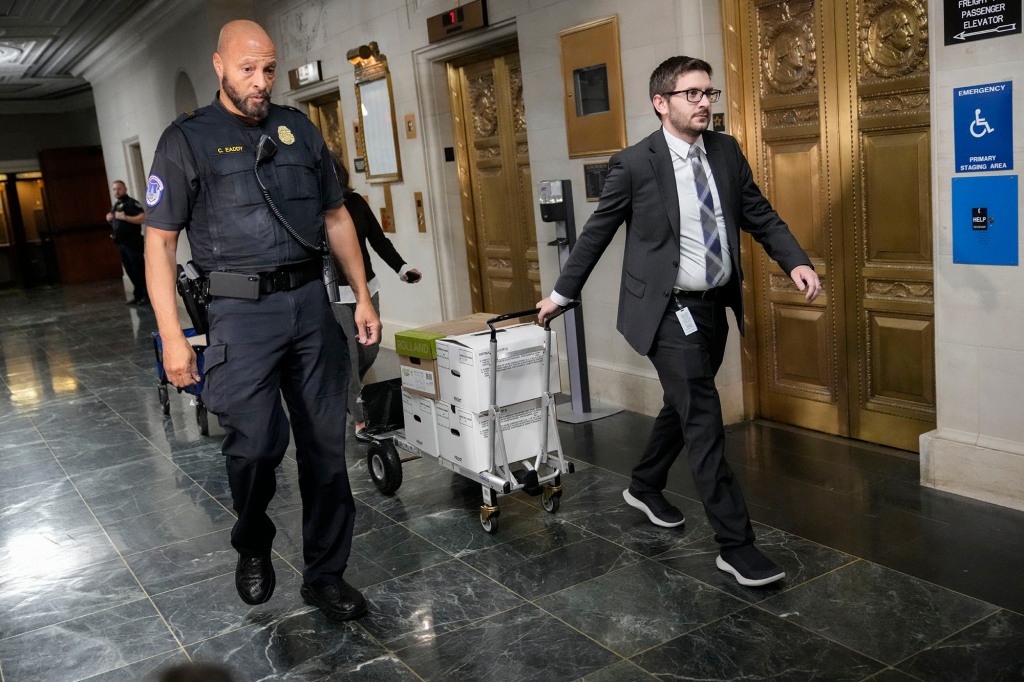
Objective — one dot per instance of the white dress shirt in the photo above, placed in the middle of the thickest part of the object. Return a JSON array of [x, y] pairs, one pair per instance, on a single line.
[[692, 275]]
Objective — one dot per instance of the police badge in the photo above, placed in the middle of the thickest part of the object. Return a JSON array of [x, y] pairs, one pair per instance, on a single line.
[[285, 135]]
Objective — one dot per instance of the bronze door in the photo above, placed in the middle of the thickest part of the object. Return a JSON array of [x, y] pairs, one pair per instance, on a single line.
[[494, 177], [835, 121], [325, 113]]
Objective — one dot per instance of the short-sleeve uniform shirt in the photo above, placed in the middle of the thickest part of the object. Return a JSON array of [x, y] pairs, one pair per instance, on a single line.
[[204, 179]]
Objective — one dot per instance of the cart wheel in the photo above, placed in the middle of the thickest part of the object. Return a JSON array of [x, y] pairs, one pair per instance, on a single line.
[[551, 500], [165, 401], [385, 466], [203, 419], [489, 523]]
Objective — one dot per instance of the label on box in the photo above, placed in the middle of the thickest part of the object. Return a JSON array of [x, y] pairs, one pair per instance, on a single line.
[[418, 379]]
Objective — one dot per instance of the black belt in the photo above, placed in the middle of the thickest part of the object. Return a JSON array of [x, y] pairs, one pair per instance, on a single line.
[[290, 277], [706, 295]]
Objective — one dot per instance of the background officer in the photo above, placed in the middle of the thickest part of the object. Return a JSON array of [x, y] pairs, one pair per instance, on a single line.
[[271, 328], [126, 218]]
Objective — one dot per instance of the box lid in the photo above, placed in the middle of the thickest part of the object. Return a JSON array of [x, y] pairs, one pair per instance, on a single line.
[[420, 342]]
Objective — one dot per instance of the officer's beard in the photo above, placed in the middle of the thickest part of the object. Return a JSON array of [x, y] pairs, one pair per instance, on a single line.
[[257, 112]]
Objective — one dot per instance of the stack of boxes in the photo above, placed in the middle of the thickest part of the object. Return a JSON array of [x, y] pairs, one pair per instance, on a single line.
[[446, 389]]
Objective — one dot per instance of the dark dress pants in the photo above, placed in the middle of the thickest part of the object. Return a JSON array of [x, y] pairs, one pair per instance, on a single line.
[[286, 343], [692, 414]]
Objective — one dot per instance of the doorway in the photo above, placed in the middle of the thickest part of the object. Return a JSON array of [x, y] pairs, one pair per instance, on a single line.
[[489, 119], [136, 169], [325, 113], [834, 115]]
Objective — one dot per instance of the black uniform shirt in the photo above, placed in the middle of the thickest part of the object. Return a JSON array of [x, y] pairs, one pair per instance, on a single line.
[[124, 231], [202, 179]]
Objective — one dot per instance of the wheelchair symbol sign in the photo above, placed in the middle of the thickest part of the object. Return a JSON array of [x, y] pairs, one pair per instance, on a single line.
[[983, 127], [979, 126]]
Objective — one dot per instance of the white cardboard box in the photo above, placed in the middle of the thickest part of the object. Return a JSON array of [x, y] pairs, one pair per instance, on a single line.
[[464, 367], [419, 421], [464, 436]]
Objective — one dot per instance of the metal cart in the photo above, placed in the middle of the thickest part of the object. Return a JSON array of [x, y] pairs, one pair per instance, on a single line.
[[198, 342], [540, 472]]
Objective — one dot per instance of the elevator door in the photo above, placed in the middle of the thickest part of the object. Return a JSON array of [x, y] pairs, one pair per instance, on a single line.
[[835, 113], [494, 177]]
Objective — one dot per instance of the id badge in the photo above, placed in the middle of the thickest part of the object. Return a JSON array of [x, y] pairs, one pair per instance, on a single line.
[[686, 320]]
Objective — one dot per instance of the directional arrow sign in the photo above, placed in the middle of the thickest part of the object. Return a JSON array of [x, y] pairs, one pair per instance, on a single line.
[[967, 20]]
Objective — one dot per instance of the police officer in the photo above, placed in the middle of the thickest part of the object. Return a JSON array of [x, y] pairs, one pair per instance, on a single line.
[[126, 218], [271, 329]]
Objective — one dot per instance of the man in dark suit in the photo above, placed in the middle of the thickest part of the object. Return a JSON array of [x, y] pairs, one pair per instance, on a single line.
[[684, 193]]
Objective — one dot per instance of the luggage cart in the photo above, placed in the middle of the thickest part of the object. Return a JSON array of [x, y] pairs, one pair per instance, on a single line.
[[198, 342], [541, 473]]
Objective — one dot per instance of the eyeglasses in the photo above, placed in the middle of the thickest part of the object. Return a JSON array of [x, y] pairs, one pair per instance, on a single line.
[[693, 95]]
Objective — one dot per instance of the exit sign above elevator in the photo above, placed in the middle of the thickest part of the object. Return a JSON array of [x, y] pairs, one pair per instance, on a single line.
[[466, 17]]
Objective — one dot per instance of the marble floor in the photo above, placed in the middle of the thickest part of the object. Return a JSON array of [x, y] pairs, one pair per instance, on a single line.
[[115, 560]]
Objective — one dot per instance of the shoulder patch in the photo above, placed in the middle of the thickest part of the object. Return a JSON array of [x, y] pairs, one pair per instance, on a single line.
[[154, 190]]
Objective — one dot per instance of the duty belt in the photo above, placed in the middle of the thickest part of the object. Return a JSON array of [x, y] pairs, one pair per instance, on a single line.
[[290, 277]]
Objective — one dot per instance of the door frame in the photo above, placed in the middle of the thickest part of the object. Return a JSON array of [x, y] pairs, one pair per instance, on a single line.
[[445, 207]]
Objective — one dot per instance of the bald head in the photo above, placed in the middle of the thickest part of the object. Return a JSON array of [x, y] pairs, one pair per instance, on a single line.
[[241, 32], [246, 63]]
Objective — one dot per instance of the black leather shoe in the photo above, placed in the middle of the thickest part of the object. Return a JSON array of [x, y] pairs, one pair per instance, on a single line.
[[254, 579], [339, 601]]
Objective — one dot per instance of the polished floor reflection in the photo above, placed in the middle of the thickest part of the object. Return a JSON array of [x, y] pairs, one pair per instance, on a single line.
[[115, 560]]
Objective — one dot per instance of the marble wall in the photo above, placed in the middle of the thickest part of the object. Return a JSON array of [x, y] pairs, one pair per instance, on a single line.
[[978, 448]]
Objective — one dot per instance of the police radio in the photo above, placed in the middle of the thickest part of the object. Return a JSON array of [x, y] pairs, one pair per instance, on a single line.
[[265, 149]]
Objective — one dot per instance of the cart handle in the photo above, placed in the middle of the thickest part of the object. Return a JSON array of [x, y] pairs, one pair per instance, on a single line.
[[547, 323]]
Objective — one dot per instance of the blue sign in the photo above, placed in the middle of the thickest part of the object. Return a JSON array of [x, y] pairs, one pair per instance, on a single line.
[[985, 220], [983, 127]]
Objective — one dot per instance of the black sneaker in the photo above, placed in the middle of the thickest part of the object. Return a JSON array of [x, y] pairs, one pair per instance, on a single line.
[[657, 508], [749, 566], [339, 601], [362, 436]]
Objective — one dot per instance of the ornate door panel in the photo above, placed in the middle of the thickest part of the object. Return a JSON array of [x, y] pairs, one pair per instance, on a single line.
[[835, 105], [325, 113], [495, 184]]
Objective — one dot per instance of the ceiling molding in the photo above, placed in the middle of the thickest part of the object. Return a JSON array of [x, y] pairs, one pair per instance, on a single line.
[[153, 20]]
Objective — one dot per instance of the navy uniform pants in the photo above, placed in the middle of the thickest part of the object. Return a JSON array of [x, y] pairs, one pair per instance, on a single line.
[[286, 343], [692, 414]]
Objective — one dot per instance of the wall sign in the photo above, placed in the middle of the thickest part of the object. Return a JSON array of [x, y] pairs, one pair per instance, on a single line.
[[983, 127], [985, 220], [465, 17], [967, 20]]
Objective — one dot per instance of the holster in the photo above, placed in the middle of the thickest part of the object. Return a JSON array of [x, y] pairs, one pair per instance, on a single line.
[[194, 290]]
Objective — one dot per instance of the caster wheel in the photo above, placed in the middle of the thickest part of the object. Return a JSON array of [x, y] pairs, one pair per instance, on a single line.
[[203, 419], [490, 524], [552, 502], [385, 466], [165, 401]]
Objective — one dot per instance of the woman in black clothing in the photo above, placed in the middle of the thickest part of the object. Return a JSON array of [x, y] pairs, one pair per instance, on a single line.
[[368, 230]]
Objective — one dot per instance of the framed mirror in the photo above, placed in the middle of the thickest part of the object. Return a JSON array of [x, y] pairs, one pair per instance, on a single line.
[[376, 106]]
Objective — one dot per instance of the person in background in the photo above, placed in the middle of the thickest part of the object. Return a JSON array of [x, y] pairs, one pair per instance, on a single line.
[[361, 357], [126, 217]]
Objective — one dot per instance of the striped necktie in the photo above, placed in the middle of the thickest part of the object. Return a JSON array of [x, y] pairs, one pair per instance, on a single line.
[[713, 256]]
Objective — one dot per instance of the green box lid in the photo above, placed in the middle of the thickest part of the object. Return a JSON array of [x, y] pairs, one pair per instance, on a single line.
[[417, 344]]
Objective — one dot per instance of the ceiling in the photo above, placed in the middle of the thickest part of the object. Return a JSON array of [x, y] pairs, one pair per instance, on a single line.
[[44, 42]]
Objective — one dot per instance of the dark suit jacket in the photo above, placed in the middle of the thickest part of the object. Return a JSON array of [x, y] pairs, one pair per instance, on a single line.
[[640, 191]]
